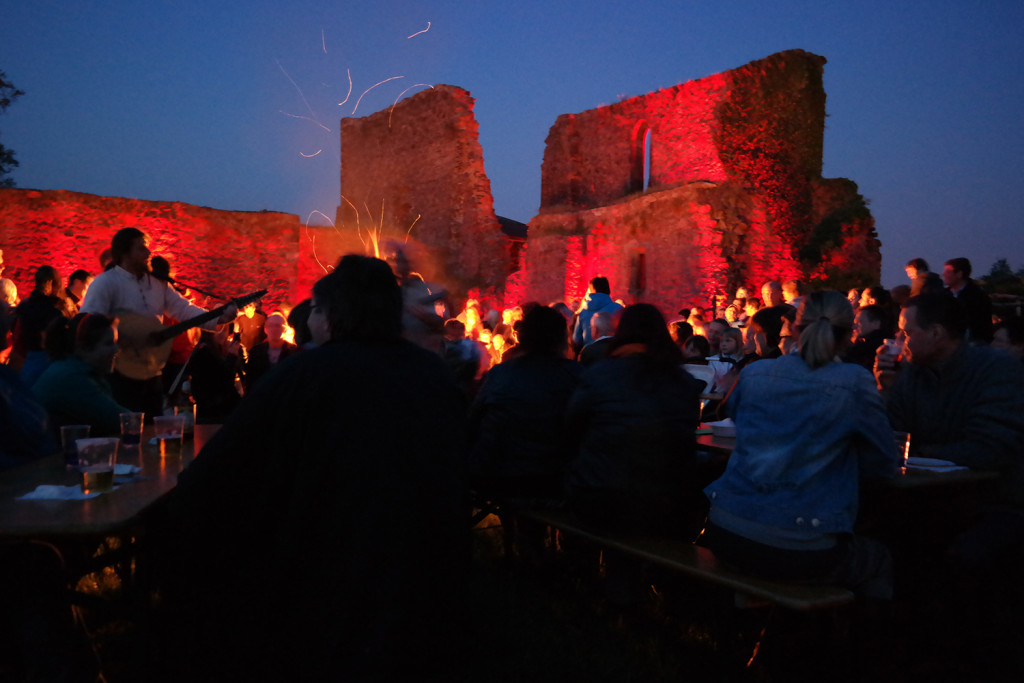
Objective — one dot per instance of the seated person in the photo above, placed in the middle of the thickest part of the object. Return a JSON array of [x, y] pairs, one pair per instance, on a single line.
[[962, 403], [467, 358], [24, 424], [32, 317], [298, 321], [870, 328], [696, 350], [965, 404], [215, 367], [634, 416], [680, 331], [322, 534], [730, 348], [811, 428], [766, 325], [518, 442], [269, 353], [1008, 335], [74, 388], [602, 327]]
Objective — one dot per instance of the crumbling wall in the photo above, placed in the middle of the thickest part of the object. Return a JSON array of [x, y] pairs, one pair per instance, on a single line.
[[735, 193], [674, 248], [225, 252], [414, 173]]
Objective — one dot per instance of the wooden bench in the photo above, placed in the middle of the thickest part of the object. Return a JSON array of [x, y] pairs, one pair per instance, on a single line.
[[699, 563]]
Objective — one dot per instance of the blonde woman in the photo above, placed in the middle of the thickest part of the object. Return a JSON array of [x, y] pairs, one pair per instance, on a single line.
[[809, 428]]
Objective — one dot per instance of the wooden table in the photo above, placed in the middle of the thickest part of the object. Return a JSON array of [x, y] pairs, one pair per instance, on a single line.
[[109, 514], [716, 444], [906, 479]]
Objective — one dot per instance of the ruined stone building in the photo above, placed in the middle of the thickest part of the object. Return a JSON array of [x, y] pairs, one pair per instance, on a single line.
[[414, 175], [674, 196], [693, 190]]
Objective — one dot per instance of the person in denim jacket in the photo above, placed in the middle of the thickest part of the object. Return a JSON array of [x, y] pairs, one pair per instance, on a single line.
[[809, 429]]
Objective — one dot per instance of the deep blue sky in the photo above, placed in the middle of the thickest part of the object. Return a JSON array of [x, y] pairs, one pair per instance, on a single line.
[[196, 101]]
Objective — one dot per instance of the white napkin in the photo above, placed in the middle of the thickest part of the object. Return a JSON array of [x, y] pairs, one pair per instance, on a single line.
[[933, 465], [725, 428], [52, 492], [125, 470]]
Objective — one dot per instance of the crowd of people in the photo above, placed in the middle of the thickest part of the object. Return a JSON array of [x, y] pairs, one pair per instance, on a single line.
[[356, 425]]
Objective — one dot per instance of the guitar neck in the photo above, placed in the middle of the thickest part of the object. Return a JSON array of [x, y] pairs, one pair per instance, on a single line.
[[174, 330]]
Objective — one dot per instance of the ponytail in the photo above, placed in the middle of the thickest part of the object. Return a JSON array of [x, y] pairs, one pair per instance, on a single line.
[[824, 321]]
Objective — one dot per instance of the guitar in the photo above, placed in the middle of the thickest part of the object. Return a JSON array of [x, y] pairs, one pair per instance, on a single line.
[[146, 344]]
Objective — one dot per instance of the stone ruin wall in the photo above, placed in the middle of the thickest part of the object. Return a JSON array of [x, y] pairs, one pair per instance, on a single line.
[[735, 197], [416, 172], [225, 252], [735, 193]]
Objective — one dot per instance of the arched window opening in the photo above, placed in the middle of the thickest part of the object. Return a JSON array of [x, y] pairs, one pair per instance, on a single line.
[[637, 273], [640, 158], [647, 159]]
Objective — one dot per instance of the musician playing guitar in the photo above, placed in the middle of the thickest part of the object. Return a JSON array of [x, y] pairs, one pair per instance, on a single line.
[[129, 290]]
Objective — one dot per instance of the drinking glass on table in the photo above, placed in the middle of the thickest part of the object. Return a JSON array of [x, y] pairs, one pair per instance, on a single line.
[[131, 430], [169, 431], [69, 434], [96, 458], [902, 440]]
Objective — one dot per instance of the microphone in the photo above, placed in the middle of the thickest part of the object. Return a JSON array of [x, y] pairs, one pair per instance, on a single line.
[[165, 278]]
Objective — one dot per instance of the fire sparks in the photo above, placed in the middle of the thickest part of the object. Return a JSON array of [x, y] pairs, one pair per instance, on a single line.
[[312, 115], [312, 238], [375, 234], [349, 93], [371, 88], [417, 85], [370, 229], [420, 32]]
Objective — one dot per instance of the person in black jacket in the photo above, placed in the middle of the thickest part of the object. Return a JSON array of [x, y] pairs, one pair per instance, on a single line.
[[871, 326], [635, 415], [519, 446], [323, 533], [267, 354], [975, 302]]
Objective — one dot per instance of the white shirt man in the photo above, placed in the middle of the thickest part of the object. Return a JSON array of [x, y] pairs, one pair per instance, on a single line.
[[129, 288]]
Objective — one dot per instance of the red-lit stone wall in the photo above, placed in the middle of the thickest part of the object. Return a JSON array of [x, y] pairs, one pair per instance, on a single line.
[[415, 173], [226, 252], [689, 237], [735, 194]]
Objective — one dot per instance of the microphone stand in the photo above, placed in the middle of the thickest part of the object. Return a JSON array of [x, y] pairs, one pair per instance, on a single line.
[[170, 280]]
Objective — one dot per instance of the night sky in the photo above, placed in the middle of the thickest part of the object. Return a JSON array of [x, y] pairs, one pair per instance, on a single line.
[[235, 105]]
